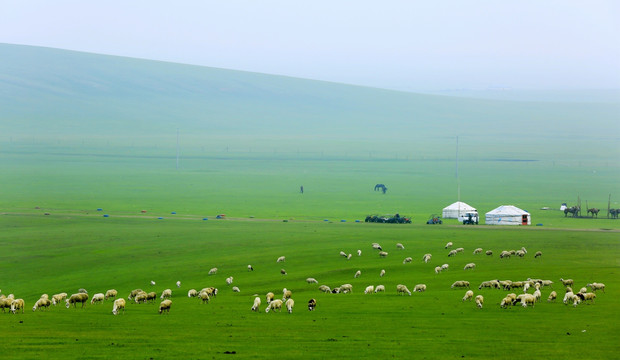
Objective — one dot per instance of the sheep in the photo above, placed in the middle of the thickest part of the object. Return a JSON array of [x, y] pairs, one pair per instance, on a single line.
[[458, 250], [583, 290], [512, 296], [336, 290], [445, 267], [505, 302], [402, 289], [97, 298], [452, 253], [274, 305], [537, 295], [568, 297], [512, 252], [505, 284], [286, 294], [250, 268], [359, 252], [281, 259], [269, 297], [547, 283], [325, 289], [504, 254], [382, 273], [118, 305], [376, 246], [164, 306], [5, 303], [400, 246], [383, 254], [204, 297], [311, 304], [469, 266], [82, 290], [520, 253], [449, 244], [17, 304], [358, 273], [133, 293], [517, 285], [112, 293], [349, 256], [44, 296], [178, 283], [192, 293], [596, 286], [282, 271], [468, 295], [312, 281], [213, 271], [479, 301], [427, 258], [419, 288], [289, 305], [211, 291], [343, 254], [379, 288], [552, 296], [166, 294], [477, 251], [76, 298], [527, 299], [587, 296], [407, 260], [438, 269], [256, 305], [489, 284], [235, 289], [57, 298], [42, 303], [567, 282], [489, 252], [152, 282], [346, 288], [526, 286], [229, 280], [141, 297], [369, 289], [460, 283], [537, 255]]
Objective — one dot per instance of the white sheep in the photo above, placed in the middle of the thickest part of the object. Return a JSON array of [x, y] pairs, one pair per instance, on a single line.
[[506, 302], [489, 284], [445, 267], [427, 258], [379, 288], [526, 286], [358, 273], [213, 271], [274, 305], [469, 266], [58, 298], [596, 286], [179, 284], [537, 295], [281, 259], [489, 252], [17, 304], [343, 254], [166, 294], [152, 282], [407, 260], [141, 297], [552, 296], [111, 293], [269, 297], [583, 290], [468, 295], [383, 254], [346, 288], [369, 289], [438, 269], [458, 250], [479, 301], [325, 289], [567, 282], [382, 273], [376, 246], [229, 280], [97, 298], [286, 294], [349, 256], [250, 268], [477, 251], [527, 299], [76, 298], [359, 252], [204, 297], [43, 303], [419, 288], [118, 305], [312, 281], [504, 254], [256, 305], [587, 296], [192, 293], [164, 306], [289, 305], [452, 253], [282, 271], [449, 244], [402, 289], [568, 297], [400, 246], [460, 283], [235, 289], [538, 254]]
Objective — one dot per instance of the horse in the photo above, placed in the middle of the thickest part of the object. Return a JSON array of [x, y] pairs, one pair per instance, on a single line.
[[614, 213], [573, 210], [381, 187], [594, 211]]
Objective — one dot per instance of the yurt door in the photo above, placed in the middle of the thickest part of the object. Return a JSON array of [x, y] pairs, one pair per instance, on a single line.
[[524, 220]]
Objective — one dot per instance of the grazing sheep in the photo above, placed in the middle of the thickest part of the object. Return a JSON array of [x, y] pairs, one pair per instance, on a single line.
[[400, 246], [274, 305], [517, 285], [596, 286], [312, 281], [382, 273], [402, 289], [449, 244], [229, 280], [469, 266], [192, 293], [552, 296], [41, 303], [369, 289], [17, 304], [587, 296], [376, 246], [407, 260], [133, 293], [166, 294], [111, 294], [152, 296], [82, 290], [383, 254], [269, 297], [256, 305], [583, 290], [537, 295], [204, 297], [460, 284], [427, 258], [419, 288], [311, 304], [213, 271], [567, 282], [505, 302], [349, 256], [118, 305], [165, 306], [5, 303], [527, 299], [505, 284], [445, 267], [547, 283], [179, 284], [458, 250], [379, 288], [282, 271], [512, 296], [468, 295], [289, 305], [325, 289], [520, 253], [358, 273], [438, 269], [286, 294], [489, 284], [538, 254], [141, 297], [568, 297], [58, 298], [477, 251], [343, 254], [235, 289], [152, 282], [504, 254], [479, 301], [489, 252], [346, 288], [250, 268], [211, 291], [97, 298], [336, 290], [526, 286], [76, 298], [359, 252], [281, 259], [452, 253]]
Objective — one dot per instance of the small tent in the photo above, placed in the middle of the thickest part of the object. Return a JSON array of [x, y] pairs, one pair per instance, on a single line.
[[508, 215], [457, 209]]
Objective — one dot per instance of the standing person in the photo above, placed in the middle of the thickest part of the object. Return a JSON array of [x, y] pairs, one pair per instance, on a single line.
[[301, 189]]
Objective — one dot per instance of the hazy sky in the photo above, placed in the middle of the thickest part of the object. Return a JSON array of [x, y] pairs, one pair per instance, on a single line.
[[408, 44]]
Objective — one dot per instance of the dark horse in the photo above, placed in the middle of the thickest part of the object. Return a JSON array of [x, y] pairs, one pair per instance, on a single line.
[[573, 210], [381, 187], [594, 211]]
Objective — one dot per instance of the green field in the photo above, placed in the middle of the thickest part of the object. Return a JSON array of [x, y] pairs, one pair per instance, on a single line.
[[82, 132]]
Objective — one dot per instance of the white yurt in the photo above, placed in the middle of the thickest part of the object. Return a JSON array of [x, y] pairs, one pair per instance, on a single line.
[[453, 211], [508, 215]]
